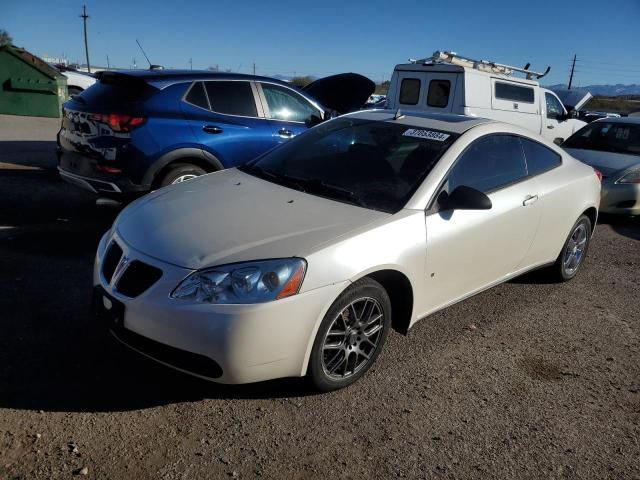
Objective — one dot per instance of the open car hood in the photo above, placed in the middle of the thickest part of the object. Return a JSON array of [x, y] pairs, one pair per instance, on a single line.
[[344, 92], [573, 99]]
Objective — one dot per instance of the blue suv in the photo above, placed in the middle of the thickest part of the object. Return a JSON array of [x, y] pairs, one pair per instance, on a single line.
[[136, 131]]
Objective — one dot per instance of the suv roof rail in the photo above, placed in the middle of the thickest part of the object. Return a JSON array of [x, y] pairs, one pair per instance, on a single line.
[[482, 65]]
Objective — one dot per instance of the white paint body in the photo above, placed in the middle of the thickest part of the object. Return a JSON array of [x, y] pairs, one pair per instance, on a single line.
[[231, 216], [79, 80], [473, 93]]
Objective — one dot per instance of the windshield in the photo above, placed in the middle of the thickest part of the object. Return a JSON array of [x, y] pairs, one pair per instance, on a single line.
[[607, 137], [376, 165]]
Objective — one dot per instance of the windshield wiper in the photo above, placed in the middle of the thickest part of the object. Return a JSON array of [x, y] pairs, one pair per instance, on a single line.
[[278, 178], [320, 186]]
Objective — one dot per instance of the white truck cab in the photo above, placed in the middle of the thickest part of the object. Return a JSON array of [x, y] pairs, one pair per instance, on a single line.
[[449, 83]]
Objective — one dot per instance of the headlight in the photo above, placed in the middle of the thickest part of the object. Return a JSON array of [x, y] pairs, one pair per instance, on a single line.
[[630, 177], [250, 282]]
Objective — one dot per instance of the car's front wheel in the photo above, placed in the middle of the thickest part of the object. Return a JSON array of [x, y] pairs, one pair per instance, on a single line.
[[350, 336]]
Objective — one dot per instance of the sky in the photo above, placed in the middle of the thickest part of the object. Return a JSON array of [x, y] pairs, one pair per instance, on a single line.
[[302, 37]]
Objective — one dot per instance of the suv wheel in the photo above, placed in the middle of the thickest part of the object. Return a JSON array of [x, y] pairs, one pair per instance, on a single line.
[[181, 173]]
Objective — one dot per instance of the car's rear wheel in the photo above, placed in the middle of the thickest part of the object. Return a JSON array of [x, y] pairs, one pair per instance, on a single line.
[[181, 173], [350, 336], [574, 251]]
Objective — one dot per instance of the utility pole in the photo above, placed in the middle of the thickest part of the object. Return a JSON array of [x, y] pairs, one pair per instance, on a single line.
[[254, 68], [191, 63], [573, 66], [108, 66], [84, 17]]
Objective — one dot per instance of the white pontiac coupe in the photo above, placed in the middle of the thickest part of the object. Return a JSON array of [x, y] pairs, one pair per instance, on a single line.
[[300, 262]]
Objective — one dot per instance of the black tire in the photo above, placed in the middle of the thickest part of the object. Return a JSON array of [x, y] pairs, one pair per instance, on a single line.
[[178, 172], [563, 270], [358, 341], [74, 91]]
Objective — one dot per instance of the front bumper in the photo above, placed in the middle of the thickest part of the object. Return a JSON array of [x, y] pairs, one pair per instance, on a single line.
[[248, 343], [620, 198], [82, 172]]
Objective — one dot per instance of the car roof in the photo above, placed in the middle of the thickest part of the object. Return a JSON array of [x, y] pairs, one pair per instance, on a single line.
[[163, 78], [440, 121], [634, 120]]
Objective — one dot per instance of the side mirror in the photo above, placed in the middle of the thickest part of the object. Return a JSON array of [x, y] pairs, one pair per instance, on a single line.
[[464, 198], [313, 120], [558, 140]]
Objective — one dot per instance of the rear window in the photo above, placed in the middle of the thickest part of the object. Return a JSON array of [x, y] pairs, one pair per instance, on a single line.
[[516, 93], [197, 97], [438, 95], [410, 91], [539, 158], [117, 90], [232, 98]]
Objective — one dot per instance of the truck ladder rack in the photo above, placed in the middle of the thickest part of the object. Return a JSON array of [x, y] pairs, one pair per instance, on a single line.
[[482, 65]]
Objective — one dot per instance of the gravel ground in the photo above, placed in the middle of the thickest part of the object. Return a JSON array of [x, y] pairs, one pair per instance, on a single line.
[[527, 380]]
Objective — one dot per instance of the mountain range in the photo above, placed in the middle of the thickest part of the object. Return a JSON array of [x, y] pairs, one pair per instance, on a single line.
[[605, 90]]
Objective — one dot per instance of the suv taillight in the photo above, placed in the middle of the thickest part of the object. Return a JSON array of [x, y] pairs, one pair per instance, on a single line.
[[118, 122], [598, 174]]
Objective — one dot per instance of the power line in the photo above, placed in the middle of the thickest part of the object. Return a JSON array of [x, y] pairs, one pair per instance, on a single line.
[[84, 17]]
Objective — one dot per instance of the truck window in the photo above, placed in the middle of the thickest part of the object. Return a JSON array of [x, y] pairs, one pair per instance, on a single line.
[[516, 93], [554, 107], [410, 91], [438, 95]]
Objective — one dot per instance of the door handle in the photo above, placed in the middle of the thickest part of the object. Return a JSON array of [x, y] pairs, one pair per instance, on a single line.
[[285, 133], [550, 127], [530, 199], [211, 129]]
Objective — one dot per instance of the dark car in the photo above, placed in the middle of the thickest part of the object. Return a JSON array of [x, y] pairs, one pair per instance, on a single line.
[[136, 131]]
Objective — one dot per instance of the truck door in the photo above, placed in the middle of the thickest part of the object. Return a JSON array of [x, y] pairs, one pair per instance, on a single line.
[[410, 92], [554, 119], [439, 91]]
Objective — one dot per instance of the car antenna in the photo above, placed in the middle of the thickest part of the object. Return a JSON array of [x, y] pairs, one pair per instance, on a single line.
[[151, 66], [398, 115]]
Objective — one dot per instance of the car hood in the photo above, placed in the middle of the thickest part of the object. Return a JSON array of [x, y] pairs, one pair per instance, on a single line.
[[606, 162], [344, 92], [231, 216]]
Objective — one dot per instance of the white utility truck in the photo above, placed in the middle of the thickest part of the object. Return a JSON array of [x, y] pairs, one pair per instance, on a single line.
[[449, 83]]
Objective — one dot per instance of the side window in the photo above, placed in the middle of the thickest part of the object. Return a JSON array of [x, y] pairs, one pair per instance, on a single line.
[[438, 95], [232, 98], [516, 93], [554, 107], [410, 91], [285, 104], [488, 164], [539, 158], [197, 97]]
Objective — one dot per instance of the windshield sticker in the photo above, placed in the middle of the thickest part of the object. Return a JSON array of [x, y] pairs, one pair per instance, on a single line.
[[426, 134]]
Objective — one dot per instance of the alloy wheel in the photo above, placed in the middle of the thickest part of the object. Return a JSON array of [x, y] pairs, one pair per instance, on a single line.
[[183, 178], [352, 338], [576, 246]]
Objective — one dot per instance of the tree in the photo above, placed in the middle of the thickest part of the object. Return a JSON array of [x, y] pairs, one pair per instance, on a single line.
[[302, 81], [5, 38]]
